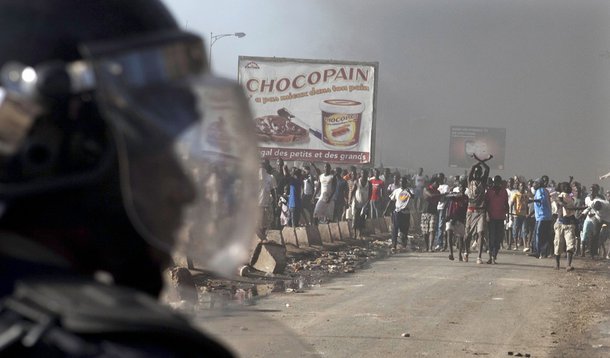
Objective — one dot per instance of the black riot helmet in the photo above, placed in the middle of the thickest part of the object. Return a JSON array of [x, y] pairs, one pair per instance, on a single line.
[[37, 42], [108, 116]]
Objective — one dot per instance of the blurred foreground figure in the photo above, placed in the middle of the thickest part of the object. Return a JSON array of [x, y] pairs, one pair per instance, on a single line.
[[112, 135]]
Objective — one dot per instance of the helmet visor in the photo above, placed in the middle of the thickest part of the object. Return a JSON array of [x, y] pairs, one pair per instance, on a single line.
[[188, 162]]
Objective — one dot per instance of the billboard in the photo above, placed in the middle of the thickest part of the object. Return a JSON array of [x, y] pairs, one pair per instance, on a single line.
[[312, 110], [482, 141]]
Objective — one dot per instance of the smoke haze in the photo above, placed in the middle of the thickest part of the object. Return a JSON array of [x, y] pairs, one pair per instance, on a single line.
[[539, 68]]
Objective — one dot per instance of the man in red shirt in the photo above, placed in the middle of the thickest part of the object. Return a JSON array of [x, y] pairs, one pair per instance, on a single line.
[[455, 217], [496, 202], [376, 193]]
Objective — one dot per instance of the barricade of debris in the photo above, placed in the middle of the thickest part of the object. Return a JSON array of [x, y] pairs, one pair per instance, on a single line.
[[300, 273], [288, 261]]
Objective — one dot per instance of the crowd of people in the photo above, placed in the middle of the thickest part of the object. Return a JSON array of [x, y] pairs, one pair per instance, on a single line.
[[458, 214]]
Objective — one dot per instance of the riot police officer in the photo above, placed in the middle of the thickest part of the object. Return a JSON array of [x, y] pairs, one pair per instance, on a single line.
[[111, 131]]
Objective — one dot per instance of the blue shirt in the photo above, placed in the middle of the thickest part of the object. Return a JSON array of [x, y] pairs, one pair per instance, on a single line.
[[340, 189], [542, 209], [294, 199]]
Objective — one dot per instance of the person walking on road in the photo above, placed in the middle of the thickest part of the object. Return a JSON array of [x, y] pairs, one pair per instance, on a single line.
[[430, 214], [518, 208], [476, 223], [544, 217], [440, 238], [455, 215], [565, 227], [496, 202], [400, 200]]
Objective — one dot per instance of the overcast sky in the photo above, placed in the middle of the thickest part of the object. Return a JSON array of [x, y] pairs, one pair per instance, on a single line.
[[539, 68]]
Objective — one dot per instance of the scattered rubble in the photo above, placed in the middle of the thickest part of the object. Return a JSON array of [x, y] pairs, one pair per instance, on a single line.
[[288, 268], [286, 272], [335, 261], [279, 286]]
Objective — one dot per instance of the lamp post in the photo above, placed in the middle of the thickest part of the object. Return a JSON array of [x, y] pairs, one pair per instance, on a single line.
[[214, 38]]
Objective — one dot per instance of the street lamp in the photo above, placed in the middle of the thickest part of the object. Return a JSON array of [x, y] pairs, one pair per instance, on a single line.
[[214, 38]]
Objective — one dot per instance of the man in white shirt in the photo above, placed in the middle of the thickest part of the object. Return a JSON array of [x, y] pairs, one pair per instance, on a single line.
[[325, 206], [565, 227], [401, 200], [443, 188]]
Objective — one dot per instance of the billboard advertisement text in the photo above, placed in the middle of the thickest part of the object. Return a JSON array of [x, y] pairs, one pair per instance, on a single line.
[[311, 110]]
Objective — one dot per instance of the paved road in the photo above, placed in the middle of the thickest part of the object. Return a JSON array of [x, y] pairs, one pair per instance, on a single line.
[[447, 309]]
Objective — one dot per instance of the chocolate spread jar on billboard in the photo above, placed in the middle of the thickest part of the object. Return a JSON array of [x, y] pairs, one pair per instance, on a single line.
[[341, 120]]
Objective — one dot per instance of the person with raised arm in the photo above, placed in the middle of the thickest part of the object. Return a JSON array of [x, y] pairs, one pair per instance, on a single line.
[[476, 213]]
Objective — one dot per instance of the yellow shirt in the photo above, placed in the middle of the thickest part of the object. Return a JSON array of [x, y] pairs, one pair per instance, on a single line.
[[520, 203]]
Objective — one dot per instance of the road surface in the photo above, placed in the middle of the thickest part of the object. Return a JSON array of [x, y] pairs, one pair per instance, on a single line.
[[422, 304]]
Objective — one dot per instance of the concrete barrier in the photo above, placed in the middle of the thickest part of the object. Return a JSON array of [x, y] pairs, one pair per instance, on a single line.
[[271, 258], [346, 229], [313, 233], [255, 248], [289, 236], [308, 236], [335, 232], [324, 230], [301, 235], [275, 236]]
